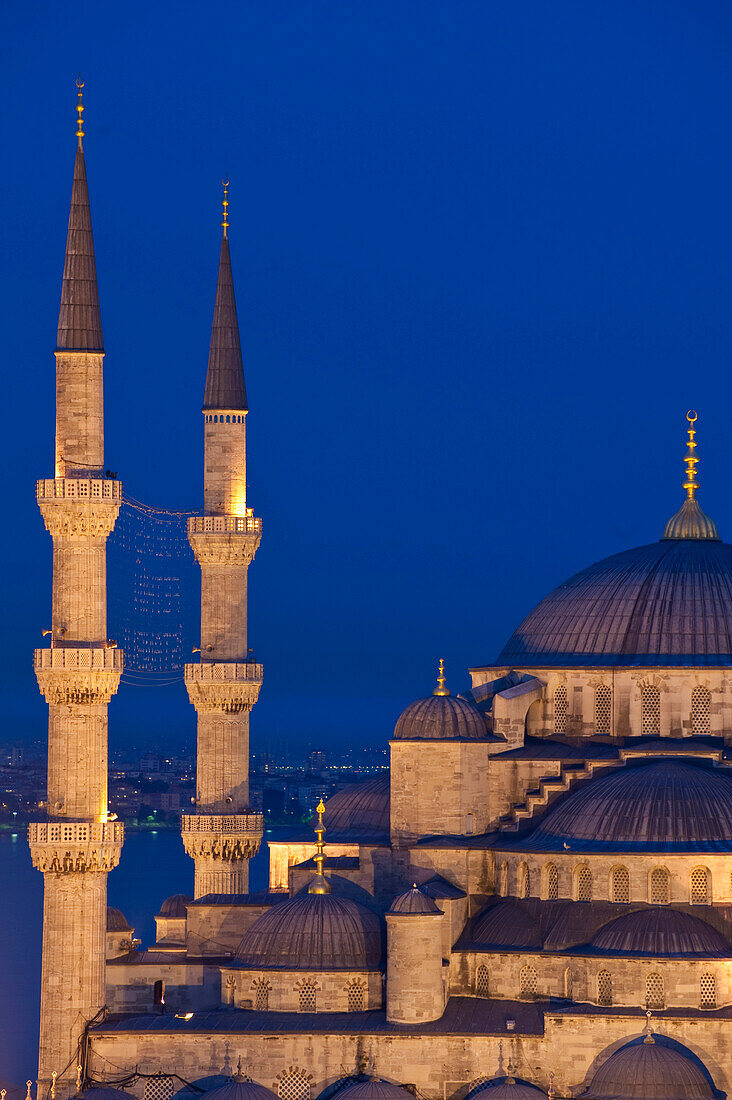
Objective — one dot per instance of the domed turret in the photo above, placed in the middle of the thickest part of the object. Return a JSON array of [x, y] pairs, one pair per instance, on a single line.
[[116, 920], [415, 988], [440, 717]]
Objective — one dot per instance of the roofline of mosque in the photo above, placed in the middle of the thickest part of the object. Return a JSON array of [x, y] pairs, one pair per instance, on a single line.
[[576, 666]]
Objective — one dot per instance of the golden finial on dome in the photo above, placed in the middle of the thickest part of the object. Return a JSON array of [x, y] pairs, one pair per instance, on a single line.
[[690, 460], [27, 1090], [320, 884], [647, 1029], [79, 1071], [80, 109], [441, 689], [54, 1075], [225, 204]]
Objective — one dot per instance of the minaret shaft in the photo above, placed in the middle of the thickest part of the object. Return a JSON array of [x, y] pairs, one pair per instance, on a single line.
[[79, 413]]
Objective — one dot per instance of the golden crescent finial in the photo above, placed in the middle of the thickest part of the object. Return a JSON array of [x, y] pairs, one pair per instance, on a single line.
[[441, 689], [225, 204], [691, 416], [79, 109], [690, 460]]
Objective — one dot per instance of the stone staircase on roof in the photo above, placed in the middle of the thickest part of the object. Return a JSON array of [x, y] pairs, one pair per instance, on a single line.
[[523, 815]]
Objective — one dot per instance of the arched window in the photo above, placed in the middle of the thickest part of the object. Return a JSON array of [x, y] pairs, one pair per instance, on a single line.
[[469, 824], [650, 711], [527, 982], [355, 996], [560, 709], [294, 1085], [524, 881], [569, 983], [583, 883], [654, 990], [504, 879], [552, 881], [159, 992], [261, 996], [701, 705], [620, 886], [481, 981], [659, 887], [603, 711], [604, 988], [699, 886], [707, 991], [308, 997]]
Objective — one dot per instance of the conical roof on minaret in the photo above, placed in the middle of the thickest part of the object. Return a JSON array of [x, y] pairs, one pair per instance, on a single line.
[[225, 388], [79, 319]]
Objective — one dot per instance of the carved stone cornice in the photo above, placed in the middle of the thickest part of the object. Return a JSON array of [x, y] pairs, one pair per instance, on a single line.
[[225, 837], [229, 688], [79, 508], [70, 676], [67, 847], [224, 540]]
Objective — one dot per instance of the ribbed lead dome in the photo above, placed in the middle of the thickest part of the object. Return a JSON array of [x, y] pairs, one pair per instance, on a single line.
[[666, 805], [649, 1071], [359, 809], [661, 931], [507, 924], [669, 603], [314, 932], [440, 718]]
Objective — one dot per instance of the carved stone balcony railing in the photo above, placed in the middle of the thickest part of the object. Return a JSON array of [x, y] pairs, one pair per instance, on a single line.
[[66, 846], [79, 488], [224, 524], [69, 675], [228, 837], [222, 686], [79, 507]]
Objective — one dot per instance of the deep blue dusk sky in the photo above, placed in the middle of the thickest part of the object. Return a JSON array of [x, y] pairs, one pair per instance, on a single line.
[[483, 259]]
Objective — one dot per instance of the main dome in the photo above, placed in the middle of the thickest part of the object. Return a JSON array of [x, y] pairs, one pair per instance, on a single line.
[[664, 806], [669, 603]]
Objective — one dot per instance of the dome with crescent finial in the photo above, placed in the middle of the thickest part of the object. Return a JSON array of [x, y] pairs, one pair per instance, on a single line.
[[440, 717]]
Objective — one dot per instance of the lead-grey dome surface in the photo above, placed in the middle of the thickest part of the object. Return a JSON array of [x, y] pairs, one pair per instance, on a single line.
[[116, 920], [508, 1089], [238, 1088], [507, 924], [440, 718], [663, 806], [174, 907], [373, 1090], [661, 931], [314, 932], [649, 1071], [669, 603], [361, 809], [414, 902]]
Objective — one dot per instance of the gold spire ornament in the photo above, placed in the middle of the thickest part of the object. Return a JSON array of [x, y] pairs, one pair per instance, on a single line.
[[441, 689], [647, 1029], [225, 205], [690, 522], [320, 884], [691, 485], [79, 1071], [80, 109]]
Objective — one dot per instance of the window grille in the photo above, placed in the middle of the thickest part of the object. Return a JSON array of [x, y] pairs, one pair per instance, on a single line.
[[552, 882], [355, 997], [308, 998], [527, 982], [159, 1087], [659, 892], [261, 996], [504, 878], [604, 988], [701, 705], [708, 991], [568, 983], [481, 981], [699, 882], [620, 886], [294, 1085], [603, 711], [524, 881], [584, 884], [651, 711], [560, 710], [654, 990]]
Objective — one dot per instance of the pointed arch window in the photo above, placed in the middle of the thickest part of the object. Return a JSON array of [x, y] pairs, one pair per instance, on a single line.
[[551, 876], [524, 880], [584, 883], [604, 988], [651, 711], [701, 706], [707, 991], [699, 886], [527, 982], [654, 990], [603, 711], [620, 886], [560, 709], [481, 982], [659, 886]]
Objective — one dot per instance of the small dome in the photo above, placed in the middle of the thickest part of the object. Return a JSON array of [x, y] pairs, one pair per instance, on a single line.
[[175, 906], [238, 1088], [116, 920], [506, 1088], [507, 924], [362, 807], [314, 932], [661, 931], [374, 1090], [414, 901], [440, 718], [666, 805], [649, 1071]]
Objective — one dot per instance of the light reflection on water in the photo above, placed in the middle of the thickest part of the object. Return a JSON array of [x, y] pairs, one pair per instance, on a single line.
[[153, 866]]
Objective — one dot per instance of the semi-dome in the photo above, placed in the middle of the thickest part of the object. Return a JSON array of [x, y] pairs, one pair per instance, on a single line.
[[666, 805], [240, 1088], [314, 932], [669, 603], [174, 907], [116, 920], [646, 1070], [507, 924], [360, 809], [415, 902], [661, 931], [373, 1089], [440, 717]]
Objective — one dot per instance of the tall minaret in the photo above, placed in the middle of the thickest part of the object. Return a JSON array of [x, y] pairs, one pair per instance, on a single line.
[[76, 846], [222, 836]]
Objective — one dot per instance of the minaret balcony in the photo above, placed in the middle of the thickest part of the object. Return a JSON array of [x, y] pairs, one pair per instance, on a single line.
[[79, 507], [222, 836], [66, 846], [243, 524], [78, 676], [224, 540], [230, 687]]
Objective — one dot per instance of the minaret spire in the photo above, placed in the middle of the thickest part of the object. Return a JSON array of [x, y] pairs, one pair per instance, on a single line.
[[225, 388], [79, 319]]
